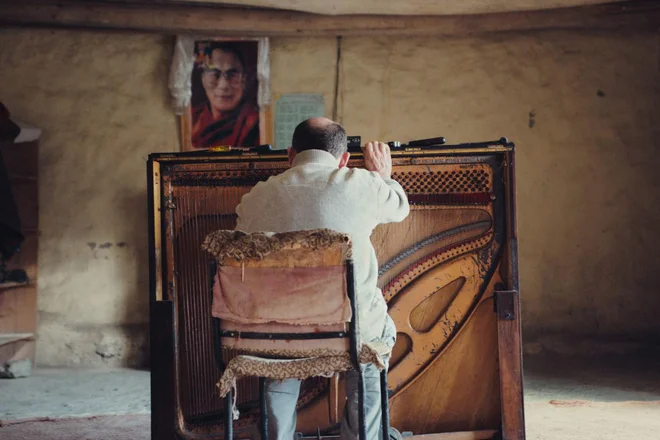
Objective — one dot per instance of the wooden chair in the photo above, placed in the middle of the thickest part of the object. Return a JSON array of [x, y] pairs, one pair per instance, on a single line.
[[266, 290]]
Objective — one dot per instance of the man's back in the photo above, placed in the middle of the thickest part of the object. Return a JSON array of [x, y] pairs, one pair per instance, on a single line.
[[316, 193]]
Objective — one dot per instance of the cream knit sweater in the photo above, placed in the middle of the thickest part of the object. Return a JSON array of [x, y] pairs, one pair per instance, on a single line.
[[314, 193]]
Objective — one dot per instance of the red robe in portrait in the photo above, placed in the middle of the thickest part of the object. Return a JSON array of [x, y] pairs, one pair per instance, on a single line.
[[240, 129]]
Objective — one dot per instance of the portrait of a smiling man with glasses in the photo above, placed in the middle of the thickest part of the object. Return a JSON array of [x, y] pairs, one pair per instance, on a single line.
[[227, 114]]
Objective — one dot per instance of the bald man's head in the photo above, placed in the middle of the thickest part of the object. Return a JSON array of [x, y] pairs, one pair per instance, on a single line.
[[320, 134]]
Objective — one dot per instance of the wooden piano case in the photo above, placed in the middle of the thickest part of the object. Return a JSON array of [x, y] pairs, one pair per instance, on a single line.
[[448, 272]]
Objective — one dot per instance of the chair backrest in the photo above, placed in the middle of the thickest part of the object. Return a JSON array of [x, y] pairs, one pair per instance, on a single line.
[[283, 294]]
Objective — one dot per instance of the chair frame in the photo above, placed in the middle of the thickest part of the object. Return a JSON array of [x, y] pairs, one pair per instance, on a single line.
[[353, 337]]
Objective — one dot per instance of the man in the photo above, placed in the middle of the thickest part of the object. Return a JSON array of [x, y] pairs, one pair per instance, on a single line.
[[319, 191], [225, 117]]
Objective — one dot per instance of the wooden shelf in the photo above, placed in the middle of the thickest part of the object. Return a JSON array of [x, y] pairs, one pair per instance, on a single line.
[[12, 285], [16, 178], [8, 338], [18, 317]]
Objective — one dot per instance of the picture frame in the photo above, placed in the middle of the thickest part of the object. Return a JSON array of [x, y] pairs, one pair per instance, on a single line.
[[226, 103]]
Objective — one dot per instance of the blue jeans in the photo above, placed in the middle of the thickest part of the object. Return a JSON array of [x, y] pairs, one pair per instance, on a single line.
[[282, 396]]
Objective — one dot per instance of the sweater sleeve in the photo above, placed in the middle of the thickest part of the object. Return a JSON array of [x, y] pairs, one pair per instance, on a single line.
[[242, 217], [392, 201]]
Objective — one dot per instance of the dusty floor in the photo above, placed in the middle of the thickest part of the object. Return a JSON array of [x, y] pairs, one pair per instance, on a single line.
[[75, 393], [565, 399], [600, 399]]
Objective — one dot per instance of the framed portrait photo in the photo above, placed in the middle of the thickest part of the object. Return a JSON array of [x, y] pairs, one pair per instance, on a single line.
[[228, 97]]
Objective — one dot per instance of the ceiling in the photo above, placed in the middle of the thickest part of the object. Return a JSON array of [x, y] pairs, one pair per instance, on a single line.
[[402, 7]]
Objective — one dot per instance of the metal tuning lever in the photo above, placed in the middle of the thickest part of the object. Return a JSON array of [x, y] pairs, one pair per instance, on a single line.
[[260, 149], [427, 142], [355, 143]]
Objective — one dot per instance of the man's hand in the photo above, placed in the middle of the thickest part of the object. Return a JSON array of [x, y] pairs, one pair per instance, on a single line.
[[377, 158]]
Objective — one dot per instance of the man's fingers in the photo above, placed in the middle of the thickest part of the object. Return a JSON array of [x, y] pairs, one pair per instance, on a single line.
[[377, 158], [374, 146], [376, 151], [383, 149]]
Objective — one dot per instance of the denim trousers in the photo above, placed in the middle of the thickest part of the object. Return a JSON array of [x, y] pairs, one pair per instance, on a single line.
[[282, 396]]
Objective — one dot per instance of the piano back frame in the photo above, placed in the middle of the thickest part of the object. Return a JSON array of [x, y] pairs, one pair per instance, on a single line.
[[449, 275]]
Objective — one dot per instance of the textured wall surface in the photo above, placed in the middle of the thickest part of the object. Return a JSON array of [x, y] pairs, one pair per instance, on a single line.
[[582, 108], [102, 102]]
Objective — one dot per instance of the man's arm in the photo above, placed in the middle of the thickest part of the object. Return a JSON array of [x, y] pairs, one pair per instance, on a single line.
[[392, 200], [242, 218]]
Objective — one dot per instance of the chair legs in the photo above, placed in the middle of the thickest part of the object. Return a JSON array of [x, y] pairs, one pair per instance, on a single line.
[[361, 413], [263, 416], [384, 405], [229, 416], [263, 409], [263, 419]]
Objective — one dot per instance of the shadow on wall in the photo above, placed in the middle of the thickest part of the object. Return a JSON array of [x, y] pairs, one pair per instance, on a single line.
[[127, 342], [135, 331], [123, 339]]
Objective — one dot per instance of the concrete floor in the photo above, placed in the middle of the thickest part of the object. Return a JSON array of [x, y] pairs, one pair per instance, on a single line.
[[615, 397], [608, 398], [75, 393]]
